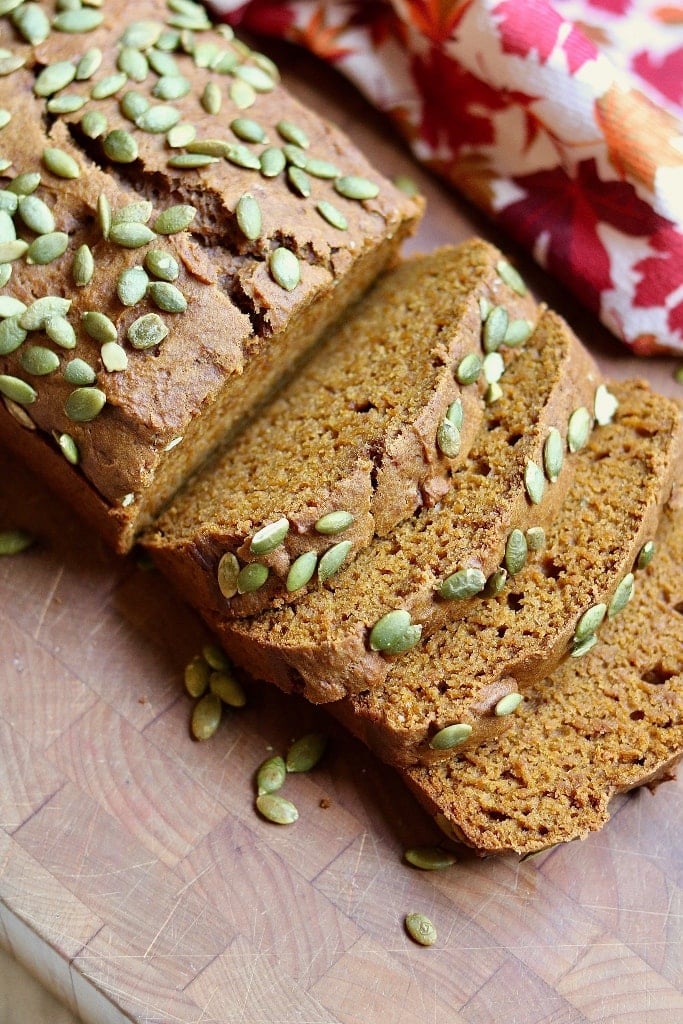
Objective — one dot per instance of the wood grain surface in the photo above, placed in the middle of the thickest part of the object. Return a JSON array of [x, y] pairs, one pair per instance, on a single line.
[[138, 882]]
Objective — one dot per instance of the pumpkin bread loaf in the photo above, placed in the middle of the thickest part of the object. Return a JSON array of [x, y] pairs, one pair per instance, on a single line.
[[459, 687], [326, 644], [175, 232], [596, 727], [366, 433]]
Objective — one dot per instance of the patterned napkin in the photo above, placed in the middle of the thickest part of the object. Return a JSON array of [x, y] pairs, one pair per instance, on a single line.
[[562, 120]]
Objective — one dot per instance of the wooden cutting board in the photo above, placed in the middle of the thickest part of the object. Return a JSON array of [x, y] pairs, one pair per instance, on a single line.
[[137, 881]]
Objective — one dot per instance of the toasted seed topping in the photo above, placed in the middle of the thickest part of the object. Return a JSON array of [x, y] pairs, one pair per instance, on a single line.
[[269, 537], [276, 809], [39, 312], [171, 87], [295, 156], [113, 357], [138, 212], [31, 22], [333, 522], [394, 633], [248, 215], [299, 181], [9, 306], [511, 277], [46, 248], [228, 573], [5, 273], [463, 584], [131, 286], [9, 201], [24, 184], [605, 405], [216, 658], [108, 86], [66, 103], [61, 164], [209, 147], [10, 63], [167, 297], [69, 449], [17, 390], [516, 552], [305, 753], [407, 185], [333, 559], [493, 367], [534, 482], [645, 555], [291, 132], [225, 63], [88, 64], [229, 689], [196, 677], [242, 95], [301, 571], [518, 331], [162, 264], [142, 34], [79, 373], [120, 146], [191, 161], [493, 393], [271, 775], [454, 413], [54, 77], [285, 268], [321, 169], [84, 404], [84, 19], [130, 235], [579, 428], [257, 78], [99, 327], [332, 215], [241, 156], [420, 929], [11, 335], [535, 538], [14, 250], [429, 858], [252, 577], [8, 232], [448, 439], [174, 219], [508, 704], [204, 53], [18, 413], [39, 361], [133, 64], [496, 582], [13, 542], [147, 331], [451, 736], [206, 717], [495, 327], [553, 455], [133, 104], [93, 124], [582, 647], [248, 130], [468, 369], [104, 214], [622, 595], [181, 135], [163, 62], [272, 162], [351, 186], [590, 621]]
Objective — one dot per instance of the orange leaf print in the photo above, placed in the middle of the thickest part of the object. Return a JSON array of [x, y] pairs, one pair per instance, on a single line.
[[638, 134], [436, 19], [320, 38], [668, 15]]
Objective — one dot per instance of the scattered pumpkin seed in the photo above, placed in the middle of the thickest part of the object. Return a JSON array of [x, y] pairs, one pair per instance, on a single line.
[[429, 858], [209, 147], [269, 537], [9, 306], [605, 405], [451, 736], [351, 186], [147, 331], [493, 393], [206, 716], [47, 248], [11, 335], [285, 268], [181, 135], [114, 357], [13, 542], [252, 577], [622, 595], [238, 154], [61, 164], [109, 85], [131, 286], [133, 64], [197, 22], [203, 54], [31, 22], [299, 181], [333, 216], [225, 62], [228, 574], [88, 64], [138, 212], [272, 162], [468, 369], [191, 161], [158, 120], [534, 482], [104, 214], [448, 439], [507, 704], [168, 41], [225, 686], [535, 538], [8, 232], [5, 273], [271, 775], [333, 559], [305, 753], [66, 103], [167, 297], [216, 658], [511, 276], [678, 374], [163, 63], [394, 633], [79, 373], [645, 555], [553, 455], [579, 428], [518, 332], [516, 552], [495, 327], [582, 647], [11, 63], [242, 95], [407, 185], [257, 78], [84, 404], [142, 34], [38, 360], [248, 130], [10, 251], [333, 522], [171, 87], [85, 19], [291, 132], [69, 449], [590, 621], [196, 677], [99, 327], [9, 201], [41, 310], [295, 156], [24, 184], [54, 77], [174, 219], [248, 216], [276, 809], [17, 390], [495, 583], [7, 6], [133, 104], [321, 169], [493, 367], [130, 234], [463, 584], [162, 264], [420, 929], [301, 571]]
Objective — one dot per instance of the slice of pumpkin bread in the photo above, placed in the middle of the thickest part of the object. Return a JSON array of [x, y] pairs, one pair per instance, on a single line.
[[424, 572], [459, 687], [367, 432], [594, 728]]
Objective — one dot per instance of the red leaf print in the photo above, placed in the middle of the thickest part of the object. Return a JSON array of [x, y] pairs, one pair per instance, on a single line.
[[436, 19], [660, 274], [665, 75], [534, 26], [263, 16]]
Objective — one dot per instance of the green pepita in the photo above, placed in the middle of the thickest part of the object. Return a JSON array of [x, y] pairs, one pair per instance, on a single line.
[[162, 265], [47, 248], [10, 251], [11, 335], [534, 482], [61, 164], [535, 538], [248, 130], [271, 775], [131, 286], [66, 103], [451, 736], [516, 552], [420, 929], [88, 64], [120, 146], [579, 428], [517, 333], [9, 201], [9, 306], [257, 78], [276, 809], [39, 361], [582, 647], [242, 95], [228, 574], [84, 404], [130, 234], [272, 162], [291, 132], [468, 369], [206, 716], [99, 327], [69, 449], [269, 537], [622, 595], [508, 704], [191, 161], [389, 631], [13, 542], [147, 331], [553, 455], [333, 216], [54, 77], [252, 577], [645, 555], [305, 753], [448, 439], [181, 135], [511, 276], [333, 559], [113, 356], [590, 621], [299, 181], [248, 216], [463, 584], [407, 185], [224, 685], [216, 658], [108, 86], [60, 331], [41, 310], [85, 19], [133, 104], [605, 405], [174, 219], [321, 169], [493, 367], [301, 571], [167, 297], [171, 87], [495, 583], [333, 523], [196, 676], [24, 184], [5, 273], [285, 268], [79, 373], [241, 156], [17, 390], [429, 858], [142, 34], [133, 64], [351, 186], [494, 329]]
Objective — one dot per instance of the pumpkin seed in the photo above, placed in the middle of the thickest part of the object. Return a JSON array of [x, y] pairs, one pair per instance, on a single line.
[[162, 264], [174, 219], [248, 130], [228, 574], [9, 306], [86, 19], [321, 169], [305, 753], [88, 64], [468, 369], [168, 41], [429, 858], [582, 647], [420, 929], [495, 583], [251, 577], [109, 85], [133, 104], [463, 584], [131, 286], [535, 538], [158, 120], [678, 374], [225, 63], [448, 439], [130, 235], [61, 164], [216, 658], [333, 559], [242, 95], [269, 537], [5, 273], [206, 717], [508, 704], [271, 775], [142, 34], [493, 393], [47, 248], [39, 361], [67, 103], [405, 184], [622, 595], [60, 331], [518, 331], [181, 135], [69, 449], [191, 161], [167, 297], [332, 215], [138, 212], [493, 367], [120, 146], [24, 184], [272, 162], [579, 428], [104, 214], [516, 551], [54, 77], [388, 632], [41, 310], [99, 327], [17, 390], [198, 22], [239, 155], [171, 87], [534, 482], [553, 455], [351, 186], [11, 63], [196, 676], [590, 621], [133, 64], [224, 685], [18, 413], [605, 405], [163, 63], [512, 278], [84, 404], [83, 266], [451, 736], [11, 335], [295, 156], [113, 357], [31, 23], [301, 571], [8, 232], [7, 6], [285, 268], [495, 326], [79, 373], [13, 542], [645, 555], [248, 216], [147, 331], [257, 78], [291, 132], [9, 201], [211, 98], [275, 808], [299, 181], [333, 522], [203, 54]]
